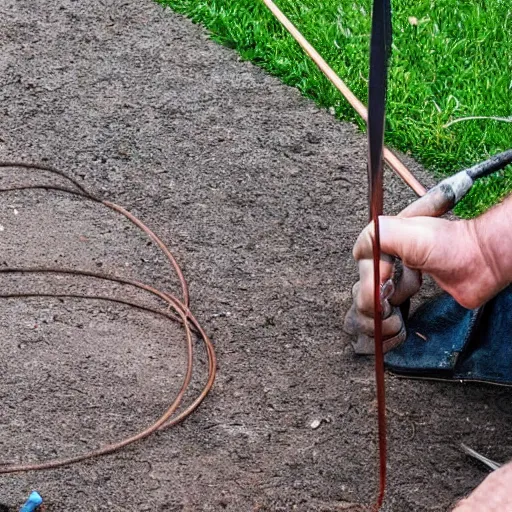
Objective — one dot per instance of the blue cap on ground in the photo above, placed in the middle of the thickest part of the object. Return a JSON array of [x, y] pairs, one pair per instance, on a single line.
[[34, 500]]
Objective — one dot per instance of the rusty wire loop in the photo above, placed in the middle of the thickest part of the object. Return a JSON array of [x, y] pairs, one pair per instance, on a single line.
[[182, 315]]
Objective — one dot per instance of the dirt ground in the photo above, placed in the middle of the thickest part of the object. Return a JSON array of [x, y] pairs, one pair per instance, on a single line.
[[260, 195]]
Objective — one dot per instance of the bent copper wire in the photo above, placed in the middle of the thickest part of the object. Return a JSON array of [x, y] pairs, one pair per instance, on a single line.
[[180, 307]]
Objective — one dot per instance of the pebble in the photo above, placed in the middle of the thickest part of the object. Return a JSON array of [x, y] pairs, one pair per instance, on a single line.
[[315, 424]]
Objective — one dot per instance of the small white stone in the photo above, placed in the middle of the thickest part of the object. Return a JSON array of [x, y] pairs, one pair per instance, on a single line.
[[315, 424], [1, 227]]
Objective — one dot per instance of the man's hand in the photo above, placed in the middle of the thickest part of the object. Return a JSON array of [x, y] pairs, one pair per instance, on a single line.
[[494, 494], [450, 251], [468, 259]]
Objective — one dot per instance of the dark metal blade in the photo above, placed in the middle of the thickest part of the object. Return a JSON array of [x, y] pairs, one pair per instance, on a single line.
[[380, 49]]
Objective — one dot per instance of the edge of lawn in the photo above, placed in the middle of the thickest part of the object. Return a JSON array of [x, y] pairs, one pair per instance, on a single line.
[[250, 29]]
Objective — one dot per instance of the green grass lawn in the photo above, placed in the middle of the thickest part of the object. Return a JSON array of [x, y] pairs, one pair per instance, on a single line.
[[451, 59]]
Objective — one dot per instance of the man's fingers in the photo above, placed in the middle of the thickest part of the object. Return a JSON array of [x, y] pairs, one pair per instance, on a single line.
[[407, 286], [361, 327], [362, 292], [363, 248], [411, 240], [408, 239], [356, 322]]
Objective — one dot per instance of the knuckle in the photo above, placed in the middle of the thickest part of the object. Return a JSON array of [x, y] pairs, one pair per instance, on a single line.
[[364, 301], [355, 289], [363, 246], [392, 325]]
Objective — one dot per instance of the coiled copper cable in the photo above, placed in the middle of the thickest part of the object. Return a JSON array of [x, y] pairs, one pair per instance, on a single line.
[[181, 308]]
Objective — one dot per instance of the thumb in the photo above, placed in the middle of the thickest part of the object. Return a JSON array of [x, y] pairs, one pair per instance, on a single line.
[[412, 240]]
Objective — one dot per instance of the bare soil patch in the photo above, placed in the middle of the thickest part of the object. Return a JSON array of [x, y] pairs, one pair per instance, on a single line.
[[261, 195]]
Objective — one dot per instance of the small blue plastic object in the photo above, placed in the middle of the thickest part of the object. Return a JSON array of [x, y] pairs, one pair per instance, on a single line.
[[34, 501]]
